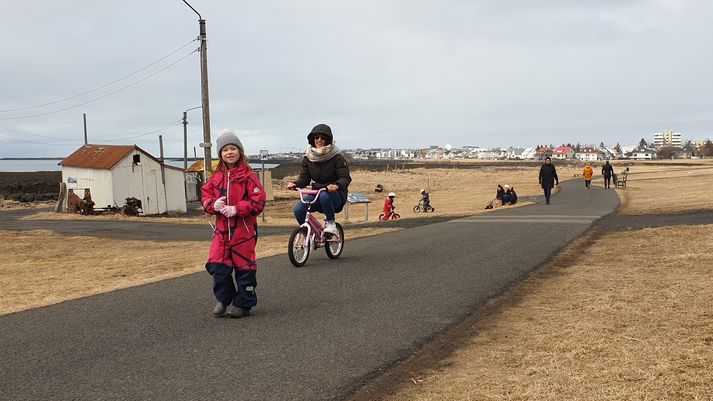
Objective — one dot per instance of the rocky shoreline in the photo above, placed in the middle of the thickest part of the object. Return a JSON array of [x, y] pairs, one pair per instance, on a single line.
[[30, 186]]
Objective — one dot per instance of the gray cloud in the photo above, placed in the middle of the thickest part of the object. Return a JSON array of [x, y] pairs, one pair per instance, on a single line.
[[392, 73]]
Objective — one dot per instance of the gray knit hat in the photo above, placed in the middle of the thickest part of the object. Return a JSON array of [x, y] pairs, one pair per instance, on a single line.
[[226, 138]]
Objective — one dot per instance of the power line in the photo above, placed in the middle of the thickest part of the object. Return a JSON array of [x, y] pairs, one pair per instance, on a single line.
[[175, 124], [31, 134], [102, 86], [75, 142], [14, 138], [103, 96]]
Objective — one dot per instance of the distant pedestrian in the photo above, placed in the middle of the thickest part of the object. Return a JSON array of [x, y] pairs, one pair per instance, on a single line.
[[235, 196], [548, 178], [587, 173], [511, 195], [498, 201], [607, 172]]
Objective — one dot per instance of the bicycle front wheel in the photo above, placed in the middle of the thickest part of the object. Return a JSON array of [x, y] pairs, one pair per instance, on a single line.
[[298, 247], [416, 209], [335, 244]]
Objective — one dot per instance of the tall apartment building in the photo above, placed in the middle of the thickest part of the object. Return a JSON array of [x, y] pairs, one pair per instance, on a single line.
[[667, 138]]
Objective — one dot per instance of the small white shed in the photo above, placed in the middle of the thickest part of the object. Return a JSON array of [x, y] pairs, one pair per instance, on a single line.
[[113, 173]]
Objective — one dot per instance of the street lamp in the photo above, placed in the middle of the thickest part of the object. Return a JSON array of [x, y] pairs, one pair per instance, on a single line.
[[207, 160], [185, 137]]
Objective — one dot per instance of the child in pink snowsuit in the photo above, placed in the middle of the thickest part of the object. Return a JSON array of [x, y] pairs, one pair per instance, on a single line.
[[235, 195]]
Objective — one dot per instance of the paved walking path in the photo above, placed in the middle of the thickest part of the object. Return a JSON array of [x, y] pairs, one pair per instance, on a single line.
[[162, 231], [318, 333]]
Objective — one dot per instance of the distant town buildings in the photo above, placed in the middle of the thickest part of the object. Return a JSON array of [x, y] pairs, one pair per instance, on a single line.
[[563, 152], [589, 154], [666, 144], [643, 153], [667, 138]]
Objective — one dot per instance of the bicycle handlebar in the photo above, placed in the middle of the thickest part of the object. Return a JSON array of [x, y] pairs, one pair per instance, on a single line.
[[305, 191]]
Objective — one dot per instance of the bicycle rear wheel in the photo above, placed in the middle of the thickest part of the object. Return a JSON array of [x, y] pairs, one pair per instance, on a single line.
[[430, 208], [298, 248], [395, 216], [335, 246]]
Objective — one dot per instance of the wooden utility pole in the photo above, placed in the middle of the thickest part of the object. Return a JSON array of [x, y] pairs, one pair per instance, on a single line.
[[208, 165], [207, 161], [185, 140], [163, 173], [160, 146], [85, 129]]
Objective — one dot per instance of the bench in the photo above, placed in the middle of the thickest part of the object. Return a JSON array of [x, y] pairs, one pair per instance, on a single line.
[[620, 180]]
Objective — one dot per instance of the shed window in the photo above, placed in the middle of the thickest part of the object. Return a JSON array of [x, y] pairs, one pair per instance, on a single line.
[[137, 158]]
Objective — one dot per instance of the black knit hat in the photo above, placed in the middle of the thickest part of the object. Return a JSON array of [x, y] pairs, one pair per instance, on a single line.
[[320, 129]]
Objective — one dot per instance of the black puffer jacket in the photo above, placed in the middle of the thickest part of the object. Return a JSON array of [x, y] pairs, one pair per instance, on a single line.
[[548, 176], [321, 174], [607, 170]]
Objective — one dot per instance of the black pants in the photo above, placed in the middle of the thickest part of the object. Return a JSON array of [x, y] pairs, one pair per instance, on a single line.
[[548, 193], [587, 182], [607, 181], [224, 288]]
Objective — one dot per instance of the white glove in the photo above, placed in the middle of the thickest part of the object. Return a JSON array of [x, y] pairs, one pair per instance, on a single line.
[[219, 204], [229, 211]]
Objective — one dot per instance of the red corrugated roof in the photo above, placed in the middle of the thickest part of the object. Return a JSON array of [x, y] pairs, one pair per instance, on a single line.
[[562, 149], [100, 156]]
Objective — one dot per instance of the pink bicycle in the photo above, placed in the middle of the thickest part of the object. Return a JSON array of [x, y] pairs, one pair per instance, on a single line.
[[310, 235]]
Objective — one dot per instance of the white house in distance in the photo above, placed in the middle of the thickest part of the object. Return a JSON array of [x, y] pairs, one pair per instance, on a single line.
[[589, 154], [113, 173], [643, 153]]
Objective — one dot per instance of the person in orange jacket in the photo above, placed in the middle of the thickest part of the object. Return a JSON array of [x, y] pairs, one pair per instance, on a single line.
[[587, 174]]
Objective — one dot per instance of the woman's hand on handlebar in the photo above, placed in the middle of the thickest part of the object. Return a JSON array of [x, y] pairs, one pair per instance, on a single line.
[[332, 187], [292, 186]]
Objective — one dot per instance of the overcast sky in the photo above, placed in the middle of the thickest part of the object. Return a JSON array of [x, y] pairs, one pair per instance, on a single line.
[[382, 73]]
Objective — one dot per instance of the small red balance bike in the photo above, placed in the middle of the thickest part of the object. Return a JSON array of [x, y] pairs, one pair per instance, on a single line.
[[310, 235]]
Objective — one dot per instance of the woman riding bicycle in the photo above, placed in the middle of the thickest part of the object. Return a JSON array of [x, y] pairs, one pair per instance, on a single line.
[[324, 167]]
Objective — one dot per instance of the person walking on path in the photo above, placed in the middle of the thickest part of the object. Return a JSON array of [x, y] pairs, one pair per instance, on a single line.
[[548, 178], [587, 174], [607, 172], [324, 167], [235, 196]]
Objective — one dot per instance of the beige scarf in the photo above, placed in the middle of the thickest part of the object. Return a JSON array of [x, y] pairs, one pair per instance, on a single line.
[[321, 154]]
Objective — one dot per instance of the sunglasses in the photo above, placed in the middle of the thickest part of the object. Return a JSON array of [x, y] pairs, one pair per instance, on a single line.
[[320, 136]]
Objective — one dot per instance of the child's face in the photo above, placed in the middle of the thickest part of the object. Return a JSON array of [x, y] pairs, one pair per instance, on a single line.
[[230, 154]]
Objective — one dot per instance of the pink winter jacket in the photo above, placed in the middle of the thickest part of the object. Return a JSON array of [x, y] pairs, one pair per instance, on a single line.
[[234, 238]]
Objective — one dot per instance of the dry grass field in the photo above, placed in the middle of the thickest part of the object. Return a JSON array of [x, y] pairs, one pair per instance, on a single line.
[[614, 318], [659, 189]]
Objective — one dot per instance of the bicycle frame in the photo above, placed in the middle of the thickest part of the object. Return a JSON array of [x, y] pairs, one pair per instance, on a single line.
[[315, 229]]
